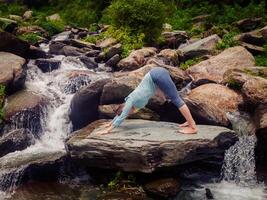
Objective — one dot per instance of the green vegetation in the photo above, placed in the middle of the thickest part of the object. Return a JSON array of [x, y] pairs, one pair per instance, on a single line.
[[188, 63], [12, 9], [121, 180], [234, 84], [32, 38], [52, 27], [261, 60], [227, 41], [138, 17]]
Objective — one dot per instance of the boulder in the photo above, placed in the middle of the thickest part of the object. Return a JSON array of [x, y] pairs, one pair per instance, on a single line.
[[40, 164], [107, 43], [56, 47], [212, 70], [255, 90], [108, 111], [136, 59], [27, 15], [112, 62], [170, 56], [248, 24], [36, 52], [93, 53], [210, 102], [15, 140], [71, 51], [263, 32], [201, 47], [25, 109], [109, 53], [253, 37], [84, 105], [145, 146], [255, 50], [9, 43], [47, 65], [8, 24], [63, 36], [80, 44], [12, 71], [31, 29], [89, 62], [163, 188], [174, 39]]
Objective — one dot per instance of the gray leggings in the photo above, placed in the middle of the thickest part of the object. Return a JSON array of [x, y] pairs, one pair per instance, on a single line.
[[162, 79]]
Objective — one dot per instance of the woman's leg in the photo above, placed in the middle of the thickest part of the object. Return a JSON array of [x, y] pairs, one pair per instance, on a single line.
[[162, 79]]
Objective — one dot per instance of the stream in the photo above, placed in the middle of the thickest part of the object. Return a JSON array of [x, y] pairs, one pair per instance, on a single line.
[[238, 174]]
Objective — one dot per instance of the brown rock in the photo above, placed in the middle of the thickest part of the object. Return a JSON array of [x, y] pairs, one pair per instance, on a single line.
[[107, 43], [136, 59], [27, 15], [164, 188], [213, 69], [174, 39], [12, 71], [263, 32], [210, 102], [170, 56], [255, 50], [144, 113], [201, 47], [255, 90], [260, 117], [31, 29], [253, 37], [9, 43], [248, 23]]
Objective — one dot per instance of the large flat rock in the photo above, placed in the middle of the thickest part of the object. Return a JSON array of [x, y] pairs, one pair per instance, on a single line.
[[144, 146]]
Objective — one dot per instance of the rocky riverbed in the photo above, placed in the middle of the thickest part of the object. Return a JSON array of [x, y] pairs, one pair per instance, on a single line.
[[59, 92]]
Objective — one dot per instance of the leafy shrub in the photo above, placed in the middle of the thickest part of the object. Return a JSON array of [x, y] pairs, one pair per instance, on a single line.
[[12, 8], [139, 16], [261, 60], [32, 38], [227, 41], [52, 27]]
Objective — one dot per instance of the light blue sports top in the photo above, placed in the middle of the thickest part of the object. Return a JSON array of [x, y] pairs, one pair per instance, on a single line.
[[137, 99]]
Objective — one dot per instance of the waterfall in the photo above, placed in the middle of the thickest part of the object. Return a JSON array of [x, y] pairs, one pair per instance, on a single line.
[[58, 88]]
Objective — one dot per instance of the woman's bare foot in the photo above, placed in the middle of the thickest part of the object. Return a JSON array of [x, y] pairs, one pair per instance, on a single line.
[[184, 124], [188, 130]]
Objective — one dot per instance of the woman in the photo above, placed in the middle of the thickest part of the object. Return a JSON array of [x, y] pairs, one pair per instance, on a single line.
[[157, 80]]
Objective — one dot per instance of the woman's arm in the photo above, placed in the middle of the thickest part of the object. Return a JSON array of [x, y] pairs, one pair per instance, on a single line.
[[116, 122]]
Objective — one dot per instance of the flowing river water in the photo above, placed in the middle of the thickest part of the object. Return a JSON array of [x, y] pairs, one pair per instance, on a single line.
[[238, 174]]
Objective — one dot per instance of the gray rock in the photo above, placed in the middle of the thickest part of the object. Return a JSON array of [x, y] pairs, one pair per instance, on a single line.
[[71, 51], [93, 53], [112, 62], [56, 48], [248, 24], [145, 146], [253, 37], [15, 140], [255, 50], [174, 39], [201, 47], [47, 65], [89, 62]]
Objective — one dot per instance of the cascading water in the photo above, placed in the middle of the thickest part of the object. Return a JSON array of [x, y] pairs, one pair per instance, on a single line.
[[239, 180], [58, 89]]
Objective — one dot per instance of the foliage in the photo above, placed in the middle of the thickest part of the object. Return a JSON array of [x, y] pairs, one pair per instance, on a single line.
[[32, 38], [227, 41], [125, 36], [139, 16], [234, 84], [11, 9], [121, 180], [188, 63], [52, 27], [261, 60]]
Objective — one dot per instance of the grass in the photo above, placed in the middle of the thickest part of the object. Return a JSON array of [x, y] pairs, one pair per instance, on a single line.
[[261, 60], [188, 63], [32, 38], [227, 41]]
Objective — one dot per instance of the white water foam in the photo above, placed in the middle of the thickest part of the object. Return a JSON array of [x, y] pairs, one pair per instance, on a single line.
[[56, 124]]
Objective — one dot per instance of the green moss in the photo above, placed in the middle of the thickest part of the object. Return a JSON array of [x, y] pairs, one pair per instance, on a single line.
[[188, 63], [227, 41], [234, 84], [32, 38], [52, 27]]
